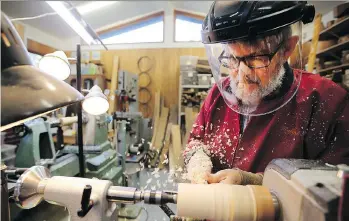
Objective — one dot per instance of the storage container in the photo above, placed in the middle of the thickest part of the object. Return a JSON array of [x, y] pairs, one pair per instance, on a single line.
[[189, 77], [204, 79]]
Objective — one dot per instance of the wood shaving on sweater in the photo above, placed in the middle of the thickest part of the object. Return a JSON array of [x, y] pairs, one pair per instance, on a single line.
[[192, 147]]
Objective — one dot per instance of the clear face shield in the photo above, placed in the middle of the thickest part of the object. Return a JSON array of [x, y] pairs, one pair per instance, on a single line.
[[251, 74]]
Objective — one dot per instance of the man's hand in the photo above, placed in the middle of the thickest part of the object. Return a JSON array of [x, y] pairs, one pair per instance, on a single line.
[[229, 176], [236, 177]]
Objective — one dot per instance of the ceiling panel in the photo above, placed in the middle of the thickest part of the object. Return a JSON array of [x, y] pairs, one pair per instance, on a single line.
[[53, 24], [122, 10]]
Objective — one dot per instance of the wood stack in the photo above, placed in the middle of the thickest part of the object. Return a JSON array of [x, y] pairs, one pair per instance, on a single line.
[[203, 66], [166, 140]]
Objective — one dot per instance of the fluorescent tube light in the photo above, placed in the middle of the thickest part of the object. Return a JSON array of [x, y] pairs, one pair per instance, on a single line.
[[93, 6], [71, 20]]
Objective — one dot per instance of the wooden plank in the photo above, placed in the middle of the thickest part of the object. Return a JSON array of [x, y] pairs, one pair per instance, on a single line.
[[164, 152], [188, 118], [156, 116], [114, 84], [173, 114], [189, 121], [176, 158], [189, 14], [130, 23], [160, 134]]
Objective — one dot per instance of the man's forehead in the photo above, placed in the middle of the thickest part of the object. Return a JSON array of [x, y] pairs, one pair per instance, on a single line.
[[255, 47]]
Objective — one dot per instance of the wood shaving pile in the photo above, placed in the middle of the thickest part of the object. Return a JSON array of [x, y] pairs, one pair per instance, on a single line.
[[199, 165]]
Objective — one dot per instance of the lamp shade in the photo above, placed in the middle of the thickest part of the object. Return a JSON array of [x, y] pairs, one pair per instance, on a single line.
[[55, 64], [95, 103], [26, 91]]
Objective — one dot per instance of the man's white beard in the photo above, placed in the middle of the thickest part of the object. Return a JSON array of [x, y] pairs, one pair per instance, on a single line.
[[253, 98]]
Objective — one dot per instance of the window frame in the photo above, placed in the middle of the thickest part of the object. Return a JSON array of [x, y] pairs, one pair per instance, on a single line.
[[135, 22], [184, 13]]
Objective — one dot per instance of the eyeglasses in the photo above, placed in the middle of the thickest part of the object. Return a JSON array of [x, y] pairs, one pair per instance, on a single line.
[[252, 61]]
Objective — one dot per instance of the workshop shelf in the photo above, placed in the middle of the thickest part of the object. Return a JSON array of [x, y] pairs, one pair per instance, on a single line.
[[333, 49], [343, 66], [338, 29]]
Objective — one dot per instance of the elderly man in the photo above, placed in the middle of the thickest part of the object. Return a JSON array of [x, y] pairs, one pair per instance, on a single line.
[[260, 108]]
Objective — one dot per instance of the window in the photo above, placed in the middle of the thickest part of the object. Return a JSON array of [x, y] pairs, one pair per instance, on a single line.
[[187, 26], [147, 29]]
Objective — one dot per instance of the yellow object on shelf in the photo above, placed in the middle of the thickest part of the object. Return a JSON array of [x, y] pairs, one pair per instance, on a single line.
[[312, 55]]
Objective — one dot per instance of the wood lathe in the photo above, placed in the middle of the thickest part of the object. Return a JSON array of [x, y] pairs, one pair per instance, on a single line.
[[292, 190]]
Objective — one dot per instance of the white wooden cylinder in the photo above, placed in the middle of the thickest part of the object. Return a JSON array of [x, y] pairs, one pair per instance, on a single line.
[[224, 202]]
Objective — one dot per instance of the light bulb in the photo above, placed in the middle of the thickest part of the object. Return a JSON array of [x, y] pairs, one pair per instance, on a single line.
[[55, 64]]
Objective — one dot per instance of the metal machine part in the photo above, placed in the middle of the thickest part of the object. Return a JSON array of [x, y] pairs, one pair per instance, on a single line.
[[305, 189], [128, 87], [29, 187], [37, 148], [129, 133], [5, 212], [87, 199], [293, 190], [130, 195]]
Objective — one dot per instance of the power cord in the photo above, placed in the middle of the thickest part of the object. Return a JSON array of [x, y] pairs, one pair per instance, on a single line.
[[38, 16]]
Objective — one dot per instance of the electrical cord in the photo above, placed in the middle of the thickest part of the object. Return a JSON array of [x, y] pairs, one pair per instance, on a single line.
[[38, 16]]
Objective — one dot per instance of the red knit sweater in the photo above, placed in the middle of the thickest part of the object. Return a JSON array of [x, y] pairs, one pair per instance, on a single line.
[[313, 125]]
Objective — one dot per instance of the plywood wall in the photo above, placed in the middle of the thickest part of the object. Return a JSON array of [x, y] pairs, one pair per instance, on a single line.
[[165, 71], [38, 48]]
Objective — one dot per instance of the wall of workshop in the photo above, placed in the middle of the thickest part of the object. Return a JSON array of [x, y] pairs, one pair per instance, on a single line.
[[164, 74], [29, 33]]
